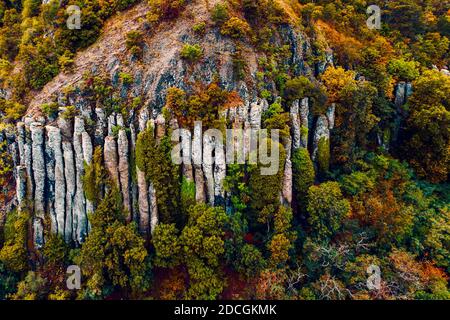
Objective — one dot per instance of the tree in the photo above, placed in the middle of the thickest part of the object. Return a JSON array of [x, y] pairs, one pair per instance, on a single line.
[[31, 288], [113, 253], [427, 138], [235, 28], [155, 161], [94, 177], [327, 209], [403, 70], [191, 53], [14, 254], [265, 189], [8, 282], [338, 82], [282, 240], [203, 247], [167, 245], [354, 121], [251, 261], [431, 49], [298, 88]]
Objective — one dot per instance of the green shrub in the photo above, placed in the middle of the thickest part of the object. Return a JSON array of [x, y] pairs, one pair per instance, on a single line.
[[297, 88], [94, 177], [191, 52], [126, 78], [199, 28], [323, 155], [134, 42], [65, 61], [219, 13], [69, 113], [50, 109], [303, 175], [6, 163], [12, 110], [235, 28], [403, 70]]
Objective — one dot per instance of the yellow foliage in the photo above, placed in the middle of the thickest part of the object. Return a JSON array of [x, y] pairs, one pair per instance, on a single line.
[[347, 49]]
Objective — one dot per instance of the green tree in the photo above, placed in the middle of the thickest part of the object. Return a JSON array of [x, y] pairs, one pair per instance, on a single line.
[[403, 70], [191, 53], [155, 161], [203, 247], [113, 254], [327, 210], [94, 177], [427, 139], [167, 245], [14, 254]]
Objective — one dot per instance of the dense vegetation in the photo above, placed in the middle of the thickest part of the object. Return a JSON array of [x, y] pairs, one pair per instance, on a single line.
[[363, 203]]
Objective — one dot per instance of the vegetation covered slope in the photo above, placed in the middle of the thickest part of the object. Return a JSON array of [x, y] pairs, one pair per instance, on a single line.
[[373, 192]]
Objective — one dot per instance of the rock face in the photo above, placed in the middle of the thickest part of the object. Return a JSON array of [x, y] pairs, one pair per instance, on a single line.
[[111, 158], [287, 176], [53, 153], [304, 121], [322, 131], [39, 175], [144, 212], [295, 125], [69, 174], [55, 140], [56, 156], [79, 213], [122, 143], [21, 184]]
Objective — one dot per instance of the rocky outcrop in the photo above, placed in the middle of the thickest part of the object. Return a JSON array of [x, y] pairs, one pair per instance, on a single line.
[[304, 121], [287, 175], [144, 210], [321, 131], [55, 144], [111, 159], [197, 159], [79, 209], [122, 144], [39, 176], [295, 125], [69, 174], [21, 184], [53, 152]]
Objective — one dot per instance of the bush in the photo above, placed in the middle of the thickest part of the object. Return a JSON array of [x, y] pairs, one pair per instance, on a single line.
[[126, 78], [235, 28], [199, 28], [50, 109], [303, 175], [65, 61], [69, 113], [219, 13], [403, 70], [323, 155], [191, 52], [12, 110], [297, 88], [134, 42]]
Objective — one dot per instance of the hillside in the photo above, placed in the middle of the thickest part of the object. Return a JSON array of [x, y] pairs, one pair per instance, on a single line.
[[87, 144]]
